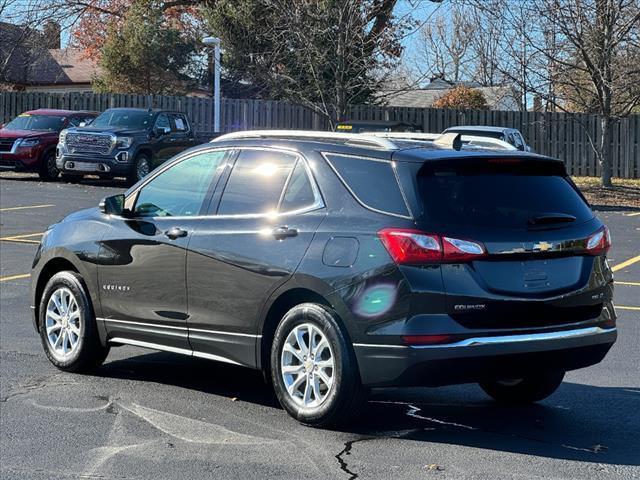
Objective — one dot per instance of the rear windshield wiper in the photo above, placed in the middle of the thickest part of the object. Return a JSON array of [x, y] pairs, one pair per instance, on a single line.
[[550, 219]]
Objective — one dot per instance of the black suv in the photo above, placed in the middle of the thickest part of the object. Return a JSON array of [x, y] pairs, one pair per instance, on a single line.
[[336, 263], [124, 142]]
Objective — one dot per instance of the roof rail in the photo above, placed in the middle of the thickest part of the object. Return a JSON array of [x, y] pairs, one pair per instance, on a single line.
[[417, 136], [364, 140], [447, 140]]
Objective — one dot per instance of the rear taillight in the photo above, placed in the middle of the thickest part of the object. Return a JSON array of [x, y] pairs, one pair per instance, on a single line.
[[408, 246], [599, 243]]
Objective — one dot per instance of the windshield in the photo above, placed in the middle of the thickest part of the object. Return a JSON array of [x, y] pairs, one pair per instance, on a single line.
[[123, 118], [44, 123], [496, 196]]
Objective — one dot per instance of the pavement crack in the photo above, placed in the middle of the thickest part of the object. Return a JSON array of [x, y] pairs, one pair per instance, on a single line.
[[344, 465]]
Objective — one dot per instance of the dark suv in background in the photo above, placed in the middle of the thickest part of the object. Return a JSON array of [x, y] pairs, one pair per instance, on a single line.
[[124, 142], [337, 263], [28, 142]]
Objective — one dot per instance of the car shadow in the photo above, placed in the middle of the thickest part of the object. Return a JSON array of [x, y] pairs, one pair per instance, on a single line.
[[579, 422]]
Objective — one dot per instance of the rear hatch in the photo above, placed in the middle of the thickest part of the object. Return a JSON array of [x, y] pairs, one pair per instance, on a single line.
[[535, 247]]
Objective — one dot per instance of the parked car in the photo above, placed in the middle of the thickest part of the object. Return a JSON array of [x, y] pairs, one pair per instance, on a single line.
[[363, 126], [28, 142], [509, 135], [336, 263], [124, 142]]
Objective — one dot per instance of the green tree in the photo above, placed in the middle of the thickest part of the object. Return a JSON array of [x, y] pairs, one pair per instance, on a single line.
[[146, 54], [326, 54]]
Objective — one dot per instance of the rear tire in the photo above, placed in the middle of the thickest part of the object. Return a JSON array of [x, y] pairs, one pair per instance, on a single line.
[[524, 390], [320, 386], [68, 329], [48, 169]]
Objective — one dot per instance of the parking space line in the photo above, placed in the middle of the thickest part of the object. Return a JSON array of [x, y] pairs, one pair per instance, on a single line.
[[624, 307], [26, 207], [626, 263], [14, 277], [23, 238], [630, 284]]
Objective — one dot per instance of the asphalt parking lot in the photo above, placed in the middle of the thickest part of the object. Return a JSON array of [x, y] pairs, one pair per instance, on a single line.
[[158, 415]]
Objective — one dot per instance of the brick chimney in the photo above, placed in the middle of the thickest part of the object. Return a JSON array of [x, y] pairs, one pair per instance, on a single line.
[[51, 35]]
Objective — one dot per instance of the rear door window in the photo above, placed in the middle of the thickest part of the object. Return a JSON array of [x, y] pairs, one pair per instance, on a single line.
[[179, 123], [256, 182], [372, 182], [509, 195]]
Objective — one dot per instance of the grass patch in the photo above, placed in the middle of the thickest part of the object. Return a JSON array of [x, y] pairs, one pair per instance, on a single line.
[[624, 193]]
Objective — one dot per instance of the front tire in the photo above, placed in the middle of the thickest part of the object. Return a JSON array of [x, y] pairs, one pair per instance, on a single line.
[[524, 390], [313, 367], [48, 169], [68, 329], [141, 168]]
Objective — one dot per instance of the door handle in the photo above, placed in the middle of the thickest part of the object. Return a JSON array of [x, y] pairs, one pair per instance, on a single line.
[[283, 232], [176, 232]]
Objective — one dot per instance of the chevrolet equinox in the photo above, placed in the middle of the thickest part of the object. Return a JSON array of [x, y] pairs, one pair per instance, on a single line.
[[336, 263]]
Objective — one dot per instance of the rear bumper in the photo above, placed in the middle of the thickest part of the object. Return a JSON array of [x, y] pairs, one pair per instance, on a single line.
[[482, 358]]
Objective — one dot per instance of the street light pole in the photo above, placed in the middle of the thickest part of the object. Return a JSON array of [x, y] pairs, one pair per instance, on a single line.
[[215, 42]]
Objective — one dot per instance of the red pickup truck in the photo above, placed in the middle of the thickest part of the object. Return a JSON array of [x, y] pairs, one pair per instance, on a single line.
[[28, 142]]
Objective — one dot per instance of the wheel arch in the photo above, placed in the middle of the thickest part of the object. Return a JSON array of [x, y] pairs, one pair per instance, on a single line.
[[284, 300], [53, 266]]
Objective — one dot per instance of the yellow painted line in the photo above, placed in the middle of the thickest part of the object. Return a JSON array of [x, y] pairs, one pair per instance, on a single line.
[[26, 207], [632, 284], [619, 307], [22, 238], [25, 235], [625, 264], [14, 277], [632, 214], [18, 240]]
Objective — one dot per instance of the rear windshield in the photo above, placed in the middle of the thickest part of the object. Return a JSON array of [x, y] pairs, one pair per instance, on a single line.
[[499, 196]]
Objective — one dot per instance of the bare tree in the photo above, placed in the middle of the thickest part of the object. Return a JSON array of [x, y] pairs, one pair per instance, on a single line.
[[574, 55], [445, 45]]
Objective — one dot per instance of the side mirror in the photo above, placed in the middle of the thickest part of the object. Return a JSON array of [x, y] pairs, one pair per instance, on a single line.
[[160, 131], [113, 205]]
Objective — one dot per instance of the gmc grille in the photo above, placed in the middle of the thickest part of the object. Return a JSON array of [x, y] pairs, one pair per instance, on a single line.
[[88, 143]]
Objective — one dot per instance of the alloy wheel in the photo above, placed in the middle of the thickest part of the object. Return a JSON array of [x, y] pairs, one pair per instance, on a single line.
[[307, 366], [142, 168], [51, 167], [62, 322]]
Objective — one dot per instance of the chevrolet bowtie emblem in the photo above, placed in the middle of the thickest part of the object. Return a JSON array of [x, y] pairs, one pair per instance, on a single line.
[[542, 246]]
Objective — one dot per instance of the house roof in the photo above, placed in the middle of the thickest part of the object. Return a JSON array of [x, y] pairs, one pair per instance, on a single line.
[[71, 66], [29, 62], [425, 97]]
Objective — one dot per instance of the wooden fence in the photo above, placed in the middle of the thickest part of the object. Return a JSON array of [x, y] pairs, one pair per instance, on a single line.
[[563, 135]]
